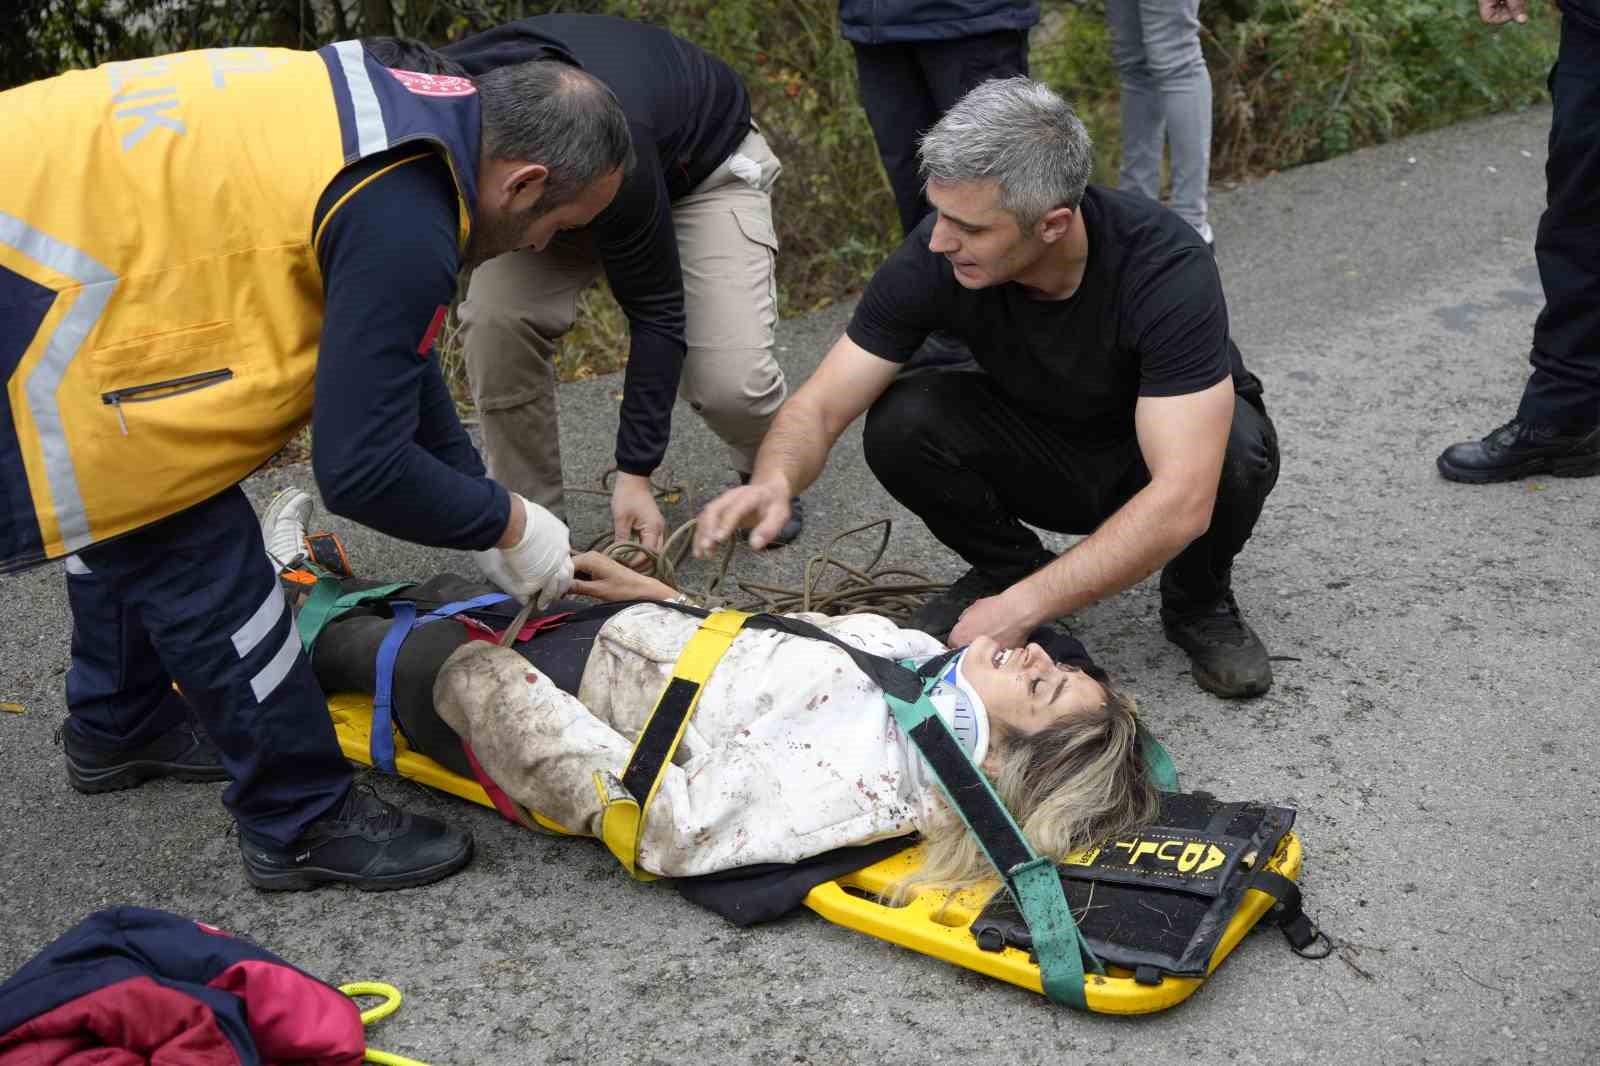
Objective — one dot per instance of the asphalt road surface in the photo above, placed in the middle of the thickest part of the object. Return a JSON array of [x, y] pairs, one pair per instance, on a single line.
[[1433, 720]]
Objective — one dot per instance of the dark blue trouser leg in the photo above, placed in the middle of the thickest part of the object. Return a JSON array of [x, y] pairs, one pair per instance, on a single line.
[[1564, 389], [117, 692], [193, 598]]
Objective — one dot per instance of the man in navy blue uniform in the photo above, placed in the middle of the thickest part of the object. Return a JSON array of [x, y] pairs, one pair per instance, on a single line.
[[364, 190]]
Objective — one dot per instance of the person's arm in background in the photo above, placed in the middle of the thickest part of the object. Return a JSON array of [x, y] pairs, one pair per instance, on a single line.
[[638, 245], [387, 246]]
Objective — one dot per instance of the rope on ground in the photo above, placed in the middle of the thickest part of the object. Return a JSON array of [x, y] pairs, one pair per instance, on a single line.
[[892, 592]]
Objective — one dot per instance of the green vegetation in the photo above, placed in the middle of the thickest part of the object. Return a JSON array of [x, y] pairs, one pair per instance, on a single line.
[[1295, 81]]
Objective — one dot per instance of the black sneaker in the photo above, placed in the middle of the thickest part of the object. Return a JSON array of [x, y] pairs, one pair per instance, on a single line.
[[940, 612], [1520, 449], [793, 527], [367, 842], [183, 752], [1225, 655]]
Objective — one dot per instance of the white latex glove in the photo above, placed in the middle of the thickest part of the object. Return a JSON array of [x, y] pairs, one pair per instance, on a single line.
[[539, 566]]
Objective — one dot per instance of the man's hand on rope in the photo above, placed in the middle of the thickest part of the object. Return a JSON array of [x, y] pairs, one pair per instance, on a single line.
[[603, 578], [635, 516], [994, 617], [762, 504]]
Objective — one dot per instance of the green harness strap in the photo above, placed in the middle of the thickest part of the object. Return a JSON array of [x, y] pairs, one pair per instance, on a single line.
[[1158, 762], [1032, 880], [329, 600]]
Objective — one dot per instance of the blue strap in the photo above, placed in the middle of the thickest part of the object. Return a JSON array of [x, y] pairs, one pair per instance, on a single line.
[[450, 610], [382, 740], [405, 620]]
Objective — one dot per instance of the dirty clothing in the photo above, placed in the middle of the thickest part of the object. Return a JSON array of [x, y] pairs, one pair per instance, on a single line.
[[791, 752]]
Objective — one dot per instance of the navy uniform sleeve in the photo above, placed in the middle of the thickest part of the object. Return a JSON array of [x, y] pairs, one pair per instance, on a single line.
[[636, 241], [901, 304], [387, 448], [1178, 322]]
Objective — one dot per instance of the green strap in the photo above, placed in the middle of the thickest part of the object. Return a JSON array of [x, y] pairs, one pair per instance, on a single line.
[[1163, 772], [1032, 880], [329, 600]]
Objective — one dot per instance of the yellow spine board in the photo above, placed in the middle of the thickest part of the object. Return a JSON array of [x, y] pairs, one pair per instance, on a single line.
[[930, 923]]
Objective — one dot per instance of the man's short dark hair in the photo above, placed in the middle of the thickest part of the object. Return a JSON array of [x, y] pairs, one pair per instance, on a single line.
[[550, 112], [541, 111]]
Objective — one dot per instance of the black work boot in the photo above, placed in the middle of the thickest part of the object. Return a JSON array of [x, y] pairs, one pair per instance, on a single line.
[[939, 613], [1225, 655], [1520, 449], [793, 527], [366, 842], [183, 752]]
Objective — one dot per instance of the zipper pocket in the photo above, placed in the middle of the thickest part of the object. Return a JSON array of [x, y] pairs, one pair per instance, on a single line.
[[166, 389]]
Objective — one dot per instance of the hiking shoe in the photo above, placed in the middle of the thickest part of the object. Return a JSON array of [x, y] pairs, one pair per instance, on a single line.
[[940, 612], [793, 527], [1520, 449], [283, 527], [1225, 655], [183, 752], [366, 842]]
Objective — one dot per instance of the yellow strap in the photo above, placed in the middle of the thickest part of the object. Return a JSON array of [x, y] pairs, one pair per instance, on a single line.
[[622, 814]]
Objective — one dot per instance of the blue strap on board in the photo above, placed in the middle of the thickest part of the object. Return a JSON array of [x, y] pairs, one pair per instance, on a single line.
[[405, 620]]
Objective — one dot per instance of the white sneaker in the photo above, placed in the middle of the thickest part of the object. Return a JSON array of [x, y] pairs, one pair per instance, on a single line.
[[283, 527]]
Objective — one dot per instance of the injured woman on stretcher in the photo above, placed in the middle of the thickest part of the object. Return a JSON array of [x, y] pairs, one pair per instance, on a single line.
[[792, 751]]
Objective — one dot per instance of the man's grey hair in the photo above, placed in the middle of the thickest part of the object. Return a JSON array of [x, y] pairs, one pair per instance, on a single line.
[[550, 112], [1018, 133]]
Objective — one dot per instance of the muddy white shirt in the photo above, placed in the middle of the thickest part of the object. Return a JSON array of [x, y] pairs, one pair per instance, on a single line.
[[791, 752]]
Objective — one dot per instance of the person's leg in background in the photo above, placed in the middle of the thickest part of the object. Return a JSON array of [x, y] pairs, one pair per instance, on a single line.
[[728, 248], [200, 593], [1166, 100], [900, 108], [1557, 427], [953, 68], [516, 308]]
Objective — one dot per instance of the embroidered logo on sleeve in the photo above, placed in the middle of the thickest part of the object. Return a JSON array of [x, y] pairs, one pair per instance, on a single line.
[[432, 332], [434, 84]]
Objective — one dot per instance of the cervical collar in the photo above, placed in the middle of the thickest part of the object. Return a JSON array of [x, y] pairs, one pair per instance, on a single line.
[[962, 709]]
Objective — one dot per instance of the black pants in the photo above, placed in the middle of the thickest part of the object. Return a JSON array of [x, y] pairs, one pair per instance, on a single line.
[[905, 88], [193, 600], [974, 467], [1564, 389]]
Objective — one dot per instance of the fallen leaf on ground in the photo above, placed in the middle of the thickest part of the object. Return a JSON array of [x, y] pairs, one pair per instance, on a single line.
[[12, 708]]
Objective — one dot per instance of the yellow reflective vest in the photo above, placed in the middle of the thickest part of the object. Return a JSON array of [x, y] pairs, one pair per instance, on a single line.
[[160, 296]]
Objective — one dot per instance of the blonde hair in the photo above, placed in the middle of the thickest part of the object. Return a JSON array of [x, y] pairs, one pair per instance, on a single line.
[[1077, 782]]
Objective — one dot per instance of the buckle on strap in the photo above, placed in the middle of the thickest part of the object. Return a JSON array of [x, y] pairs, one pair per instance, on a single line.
[[625, 800]]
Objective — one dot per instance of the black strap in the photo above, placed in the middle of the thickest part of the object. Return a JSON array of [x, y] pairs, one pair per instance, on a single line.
[[1298, 929]]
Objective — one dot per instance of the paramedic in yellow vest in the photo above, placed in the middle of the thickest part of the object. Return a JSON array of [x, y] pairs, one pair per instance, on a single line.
[[198, 254]]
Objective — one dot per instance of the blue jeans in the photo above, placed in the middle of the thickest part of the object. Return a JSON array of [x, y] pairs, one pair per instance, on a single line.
[[1166, 100], [1564, 390], [193, 599]]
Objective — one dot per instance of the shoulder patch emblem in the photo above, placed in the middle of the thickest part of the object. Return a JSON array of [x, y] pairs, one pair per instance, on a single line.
[[434, 84]]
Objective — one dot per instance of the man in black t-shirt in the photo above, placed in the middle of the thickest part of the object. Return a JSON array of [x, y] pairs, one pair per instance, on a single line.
[[1111, 401]]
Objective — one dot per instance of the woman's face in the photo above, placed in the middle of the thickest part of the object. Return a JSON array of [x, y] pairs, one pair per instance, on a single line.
[[1023, 688]]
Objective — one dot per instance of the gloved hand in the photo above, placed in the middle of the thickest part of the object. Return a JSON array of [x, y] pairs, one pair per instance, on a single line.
[[538, 566]]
